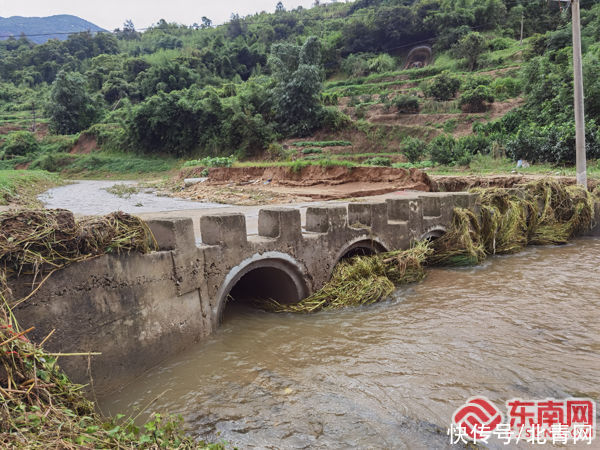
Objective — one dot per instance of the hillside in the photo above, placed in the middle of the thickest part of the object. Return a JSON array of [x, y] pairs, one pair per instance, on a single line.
[[416, 83], [41, 29]]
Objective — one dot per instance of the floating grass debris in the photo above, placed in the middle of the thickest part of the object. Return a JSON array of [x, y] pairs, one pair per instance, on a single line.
[[361, 281], [507, 220], [461, 244], [122, 190]]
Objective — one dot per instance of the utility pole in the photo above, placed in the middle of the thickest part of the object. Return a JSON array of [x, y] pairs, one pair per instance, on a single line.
[[33, 127], [578, 88], [579, 108], [522, 23]]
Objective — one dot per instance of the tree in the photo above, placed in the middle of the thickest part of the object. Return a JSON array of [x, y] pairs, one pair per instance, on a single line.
[[279, 8], [442, 88], [20, 143], [471, 47], [71, 108], [128, 32], [473, 100], [296, 96], [206, 23]]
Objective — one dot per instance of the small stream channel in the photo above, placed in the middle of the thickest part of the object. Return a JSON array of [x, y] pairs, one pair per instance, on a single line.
[[390, 375], [90, 197]]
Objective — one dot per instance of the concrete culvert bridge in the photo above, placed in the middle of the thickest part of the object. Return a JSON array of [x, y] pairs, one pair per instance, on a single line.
[[139, 308]]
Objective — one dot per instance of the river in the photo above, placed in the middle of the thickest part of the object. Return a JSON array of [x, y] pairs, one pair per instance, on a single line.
[[91, 197], [392, 374]]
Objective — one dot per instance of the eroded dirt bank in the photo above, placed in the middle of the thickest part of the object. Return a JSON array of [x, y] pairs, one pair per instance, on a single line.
[[259, 185], [278, 185]]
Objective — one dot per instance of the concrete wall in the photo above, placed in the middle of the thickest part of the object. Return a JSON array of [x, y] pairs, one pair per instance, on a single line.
[[138, 310]]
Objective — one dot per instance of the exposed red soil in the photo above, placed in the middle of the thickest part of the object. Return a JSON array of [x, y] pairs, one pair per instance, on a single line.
[[313, 175], [85, 144], [312, 182]]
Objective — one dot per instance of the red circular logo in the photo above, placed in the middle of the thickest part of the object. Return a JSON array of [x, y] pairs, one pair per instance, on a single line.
[[477, 415]]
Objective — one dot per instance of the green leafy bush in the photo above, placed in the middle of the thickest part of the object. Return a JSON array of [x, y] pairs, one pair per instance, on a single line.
[[57, 144], [330, 98], [333, 119], [413, 149], [552, 143], [219, 161], [472, 81], [473, 144], [474, 100], [53, 162], [406, 104], [20, 143], [378, 161], [507, 87], [500, 44], [442, 88], [441, 149]]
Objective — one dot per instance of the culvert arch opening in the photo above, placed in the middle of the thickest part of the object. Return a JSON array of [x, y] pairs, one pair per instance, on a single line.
[[361, 248], [276, 279], [434, 234]]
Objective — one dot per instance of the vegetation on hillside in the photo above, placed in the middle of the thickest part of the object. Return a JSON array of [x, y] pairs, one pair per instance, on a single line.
[[331, 70]]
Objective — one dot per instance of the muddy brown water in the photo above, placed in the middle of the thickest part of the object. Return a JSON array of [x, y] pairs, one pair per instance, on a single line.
[[390, 375]]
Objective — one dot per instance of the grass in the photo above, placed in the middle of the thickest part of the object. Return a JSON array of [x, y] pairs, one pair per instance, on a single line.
[[487, 165], [98, 164], [122, 190], [22, 186]]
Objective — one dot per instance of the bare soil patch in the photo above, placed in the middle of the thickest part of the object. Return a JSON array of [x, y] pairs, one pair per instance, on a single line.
[[85, 144], [262, 185]]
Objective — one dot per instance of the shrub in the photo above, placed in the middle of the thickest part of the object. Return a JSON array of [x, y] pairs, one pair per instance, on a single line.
[[406, 104], [355, 65], [554, 143], [381, 63], [378, 161], [470, 47], [471, 82], [219, 161], [413, 149], [330, 98], [442, 88], [57, 144], [507, 87], [334, 120], [441, 149], [473, 144], [20, 143], [500, 44], [474, 100], [53, 162]]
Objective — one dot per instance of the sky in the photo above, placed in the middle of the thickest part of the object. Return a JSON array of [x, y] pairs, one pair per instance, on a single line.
[[111, 14]]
